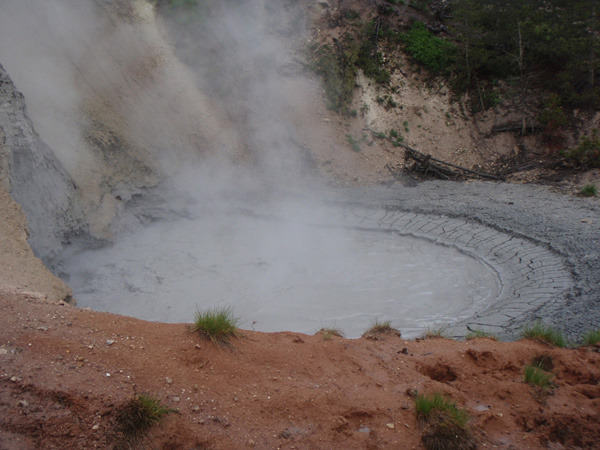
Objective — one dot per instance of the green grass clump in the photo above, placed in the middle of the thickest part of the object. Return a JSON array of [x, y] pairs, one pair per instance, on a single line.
[[544, 333], [591, 337], [381, 328], [535, 375], [139, 414], [446, 425], [474, 334], [217, 324], [589, 190]]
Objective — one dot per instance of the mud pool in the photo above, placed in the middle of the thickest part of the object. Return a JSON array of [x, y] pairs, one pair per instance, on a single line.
[[281, 275]]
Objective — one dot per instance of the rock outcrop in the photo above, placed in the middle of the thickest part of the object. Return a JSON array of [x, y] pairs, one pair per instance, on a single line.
[[33, 176]]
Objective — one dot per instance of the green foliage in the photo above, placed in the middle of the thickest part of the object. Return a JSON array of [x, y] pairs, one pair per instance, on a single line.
[[369, 59], [432, 52], [354, 144], [589, 190], [552, 43], [217, 324], [475, 334], [587, 152], [405, 125], [338, 70], [591, 337], [447, 426], [427, 405], [544, 333], [553, 115], [139, 414], [535, 375]]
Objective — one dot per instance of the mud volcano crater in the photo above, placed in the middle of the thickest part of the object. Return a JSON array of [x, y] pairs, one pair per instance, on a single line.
[[302, 266]]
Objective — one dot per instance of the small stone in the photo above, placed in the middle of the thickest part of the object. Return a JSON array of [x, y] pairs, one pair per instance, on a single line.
[[176, 399], [95, 427], [109, 342], [251, 443], [107, 374], [23, 403], [196, 408], [169, 380], [364, 430], [405, 406], [90, 347], [412, 392], [3, 351], [391, 426]]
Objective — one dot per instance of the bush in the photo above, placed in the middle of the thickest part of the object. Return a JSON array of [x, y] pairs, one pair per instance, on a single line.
[[139, 414], [217, 324], [587, 152], [447, 426], [433, 53], [544, 333], [591, 337]]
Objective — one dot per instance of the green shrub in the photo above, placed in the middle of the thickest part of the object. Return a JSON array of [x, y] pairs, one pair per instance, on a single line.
[[591, 337], [587, 152], [217, 324], [139, 414], [432, 52], [447, 426], [535, 375], [589, 190], [544, 333]]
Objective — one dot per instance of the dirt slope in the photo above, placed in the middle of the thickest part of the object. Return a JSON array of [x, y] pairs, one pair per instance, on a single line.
[[65, 371]]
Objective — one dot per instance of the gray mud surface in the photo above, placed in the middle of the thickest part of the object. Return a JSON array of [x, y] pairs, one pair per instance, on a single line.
[[560, 236]]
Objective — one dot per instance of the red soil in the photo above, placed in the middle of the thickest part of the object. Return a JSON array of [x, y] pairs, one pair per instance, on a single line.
[[64, 372]]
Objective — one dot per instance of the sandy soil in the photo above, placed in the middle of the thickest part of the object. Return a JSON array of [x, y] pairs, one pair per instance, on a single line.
[[19, 268], [66, 371]]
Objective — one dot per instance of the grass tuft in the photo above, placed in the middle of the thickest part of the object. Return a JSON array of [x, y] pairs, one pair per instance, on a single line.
[[381, 328], [536, 376], [217, 324], [434, 333], [446, 425], [329, 332], [139, 414], [589, 190], [475, 334], [544, 333], [591, 337]]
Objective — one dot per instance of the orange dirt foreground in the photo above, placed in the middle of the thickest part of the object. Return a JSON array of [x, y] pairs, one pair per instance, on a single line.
[[65, 371]]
